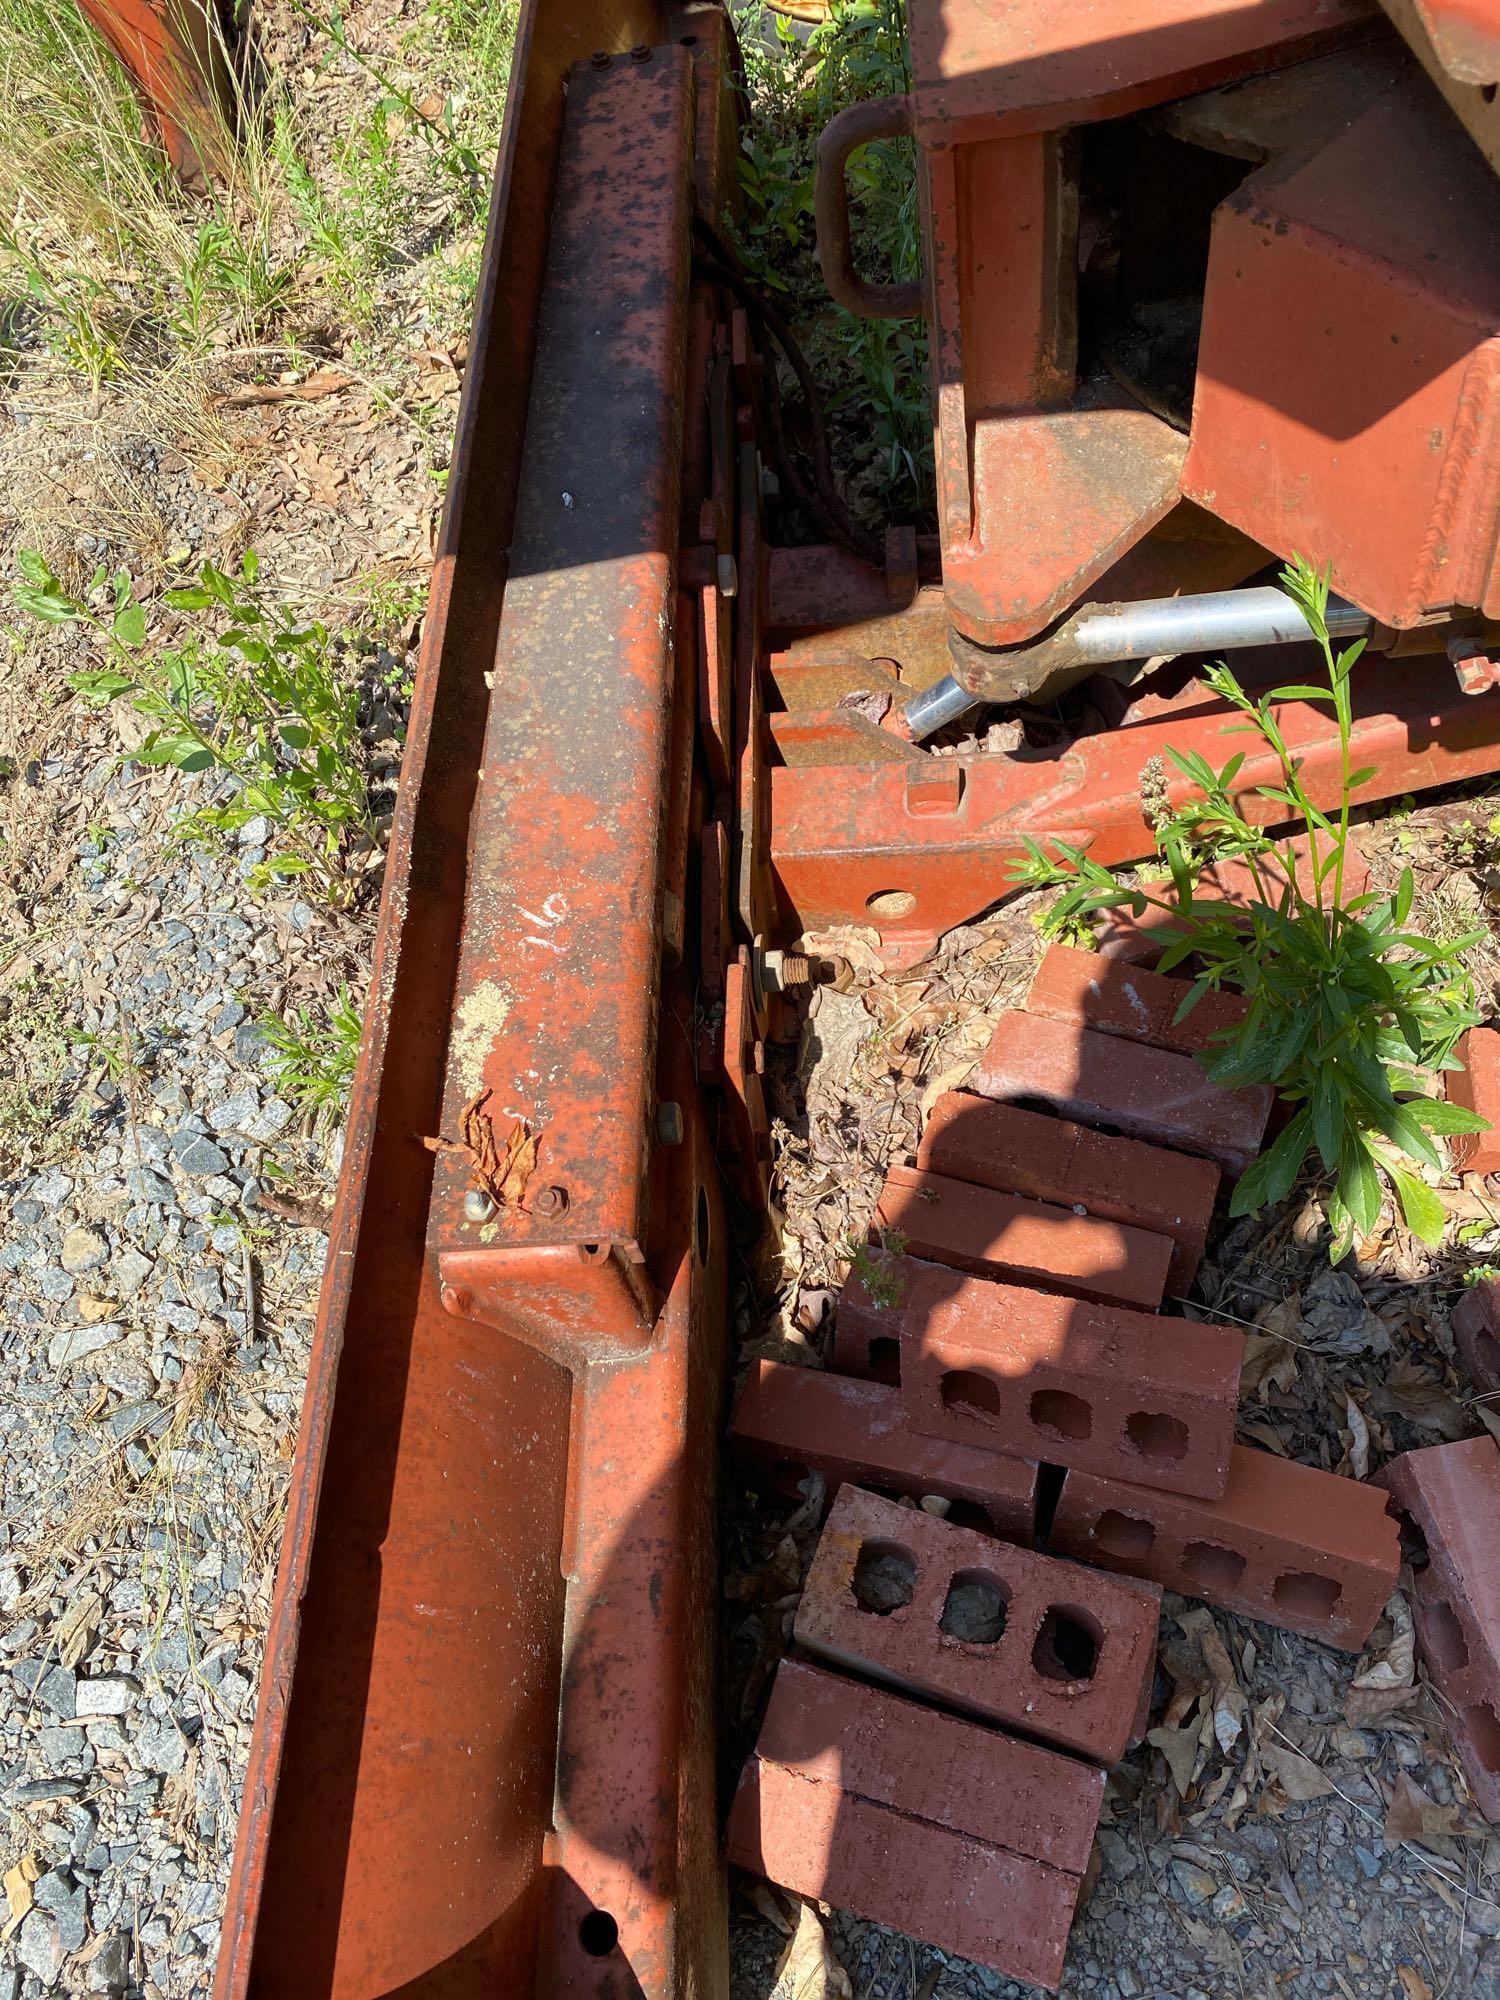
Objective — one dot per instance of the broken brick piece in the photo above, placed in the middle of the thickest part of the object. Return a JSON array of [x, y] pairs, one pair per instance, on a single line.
[[1287, 1543], [1091, 991], [1129, 1394], [977, 1229], [1476, 1327], [791, 1420], [1449, 1498], [966, 1839], [1145, 1093], [1002, 1146], [1038, 1645], [867, 1314], [1477, 1088]]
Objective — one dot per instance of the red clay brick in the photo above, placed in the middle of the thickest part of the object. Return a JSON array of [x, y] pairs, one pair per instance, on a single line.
[[1051, 1159], [1450, 1495], [1142, 940], [1104, 1080], [1476, 1327], [976, 1229], [1128, 1394], [1281, 1542], [790, 1420], [1068, 1665], [867, 1315], [964, 1838], [1477, 1087], [1092, 991]]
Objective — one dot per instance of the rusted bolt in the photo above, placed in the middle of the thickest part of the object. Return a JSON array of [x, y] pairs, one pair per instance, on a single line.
[[458, 1299], [549, 1201], [600, 59], [758, 1058], [1477, 671], [641, 52], [729, 576], [669, 1127], [479, 1205]]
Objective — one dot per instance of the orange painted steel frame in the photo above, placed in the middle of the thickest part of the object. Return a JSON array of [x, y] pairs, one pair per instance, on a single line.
[[484, 1756], [174, 51]]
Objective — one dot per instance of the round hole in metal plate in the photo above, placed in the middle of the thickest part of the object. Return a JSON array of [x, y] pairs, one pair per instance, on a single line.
[[891, 903], [598, 1933]]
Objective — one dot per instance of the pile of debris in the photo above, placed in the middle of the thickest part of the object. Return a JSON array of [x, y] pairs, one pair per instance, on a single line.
[[934, 1752]]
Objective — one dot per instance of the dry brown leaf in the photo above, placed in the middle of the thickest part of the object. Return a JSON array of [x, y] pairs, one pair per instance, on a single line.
[[1357, 1438], [808, 1968], [322, 382], [73, 1632], [1298, 1776], [18, 1881], [1180, 1747], [1414, 1815], [1413, 1985]]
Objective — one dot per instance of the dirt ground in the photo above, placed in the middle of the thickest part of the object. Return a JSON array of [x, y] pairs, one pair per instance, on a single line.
[[1295, 1824]]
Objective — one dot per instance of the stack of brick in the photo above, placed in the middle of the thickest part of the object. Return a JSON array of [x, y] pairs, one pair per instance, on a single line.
[[1051, 1211]]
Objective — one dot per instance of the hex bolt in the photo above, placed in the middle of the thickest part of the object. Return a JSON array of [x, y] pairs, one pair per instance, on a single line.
[[729, 576], [641, 52], [549, 1201], [600, 59], [669, 1126], [458, 1299], [479, 1205]]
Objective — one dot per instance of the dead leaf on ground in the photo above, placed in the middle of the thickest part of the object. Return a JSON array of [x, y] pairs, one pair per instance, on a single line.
[[322, 382], [1413, 1985], [74, 1631], [1180, 1747], [1414, 1815], [1297, 1775], [18, 1881], [808, 1968]]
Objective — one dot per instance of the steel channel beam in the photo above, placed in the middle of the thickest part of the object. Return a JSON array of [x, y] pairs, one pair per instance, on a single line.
[[490, 1648]]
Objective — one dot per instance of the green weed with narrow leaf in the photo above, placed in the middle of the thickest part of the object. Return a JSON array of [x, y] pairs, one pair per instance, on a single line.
[[1351, 1012], [250, 691], [313, 1057]]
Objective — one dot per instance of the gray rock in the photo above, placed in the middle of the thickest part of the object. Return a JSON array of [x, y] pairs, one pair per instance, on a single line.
[[66, 1900], [10, 1983], [72, 1343], [39, 1948], [60, 1746], [271, 1121], [130, 1271], [58, 1690], [52, 1188], [110, 1694], [84, 1248], [109, 1969], [202, 1156], [148, 1185], [235, 1113], [43, 1791], [55, 1287], [159, 1747]]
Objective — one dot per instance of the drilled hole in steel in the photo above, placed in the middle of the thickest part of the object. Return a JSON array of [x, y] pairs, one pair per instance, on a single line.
[[1481, 1725], [1067, 1644], [687, 41], [1487, 92], [1156, 1436], [1063, 1414], [593, 1253], [885, 1359], [1307, 1595], [1124, 1535], [885, 1577], [969, 1514], [967, 1390], [975, 1608], [890, 903], [1213, 1567], [598, 1933], [1443, 1637], [700, 1227]]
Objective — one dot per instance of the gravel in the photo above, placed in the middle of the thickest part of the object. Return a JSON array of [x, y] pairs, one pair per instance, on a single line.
[[155, 1329]]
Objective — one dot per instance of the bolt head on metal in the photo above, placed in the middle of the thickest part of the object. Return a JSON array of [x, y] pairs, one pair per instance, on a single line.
[[669, 1125], [549, 1201], [479, 1205], [600, 59], [641, 52]]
